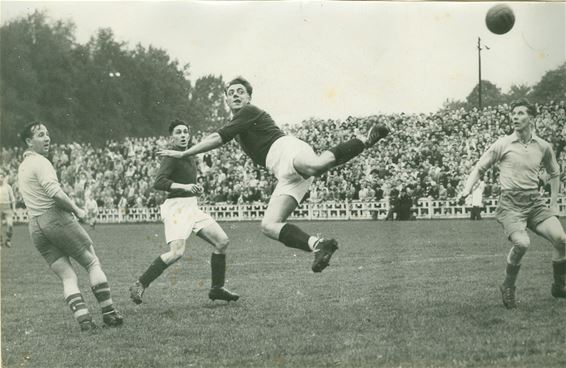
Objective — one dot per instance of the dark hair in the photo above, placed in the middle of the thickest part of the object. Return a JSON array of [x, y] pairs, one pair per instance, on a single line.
[[243, 81], [175, 123], [531, 109], [27, 131]]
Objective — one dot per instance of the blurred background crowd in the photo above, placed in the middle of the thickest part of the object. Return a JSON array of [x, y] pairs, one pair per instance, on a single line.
[[425, 156]]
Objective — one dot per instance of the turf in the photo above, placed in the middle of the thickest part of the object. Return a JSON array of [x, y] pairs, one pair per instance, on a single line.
[[397, 294]]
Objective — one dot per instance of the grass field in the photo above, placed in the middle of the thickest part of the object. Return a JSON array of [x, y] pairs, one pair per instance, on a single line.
[[397, 294]]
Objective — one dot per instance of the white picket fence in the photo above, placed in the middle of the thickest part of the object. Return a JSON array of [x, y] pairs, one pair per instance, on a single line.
[[355, 210]]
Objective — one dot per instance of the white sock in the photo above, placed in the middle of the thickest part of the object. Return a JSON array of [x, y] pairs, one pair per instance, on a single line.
[[312, 241]]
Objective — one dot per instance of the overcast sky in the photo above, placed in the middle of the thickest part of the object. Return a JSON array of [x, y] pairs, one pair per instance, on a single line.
[[332, 59]]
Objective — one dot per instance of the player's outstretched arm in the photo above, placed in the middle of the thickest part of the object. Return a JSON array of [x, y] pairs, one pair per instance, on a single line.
[[207, 144], [470, 182]]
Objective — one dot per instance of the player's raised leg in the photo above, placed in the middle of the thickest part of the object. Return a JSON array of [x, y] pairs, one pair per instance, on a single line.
[[215, 235], [275, 226], [64, 270], [315, 165], [552, 230]]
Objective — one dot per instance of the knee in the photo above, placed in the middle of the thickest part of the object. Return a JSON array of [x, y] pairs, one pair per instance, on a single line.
[[560, 242], [522, 242], [222, 244], [177, 249]]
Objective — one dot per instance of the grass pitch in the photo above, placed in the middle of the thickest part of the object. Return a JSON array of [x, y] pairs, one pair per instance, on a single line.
[[409, 294]]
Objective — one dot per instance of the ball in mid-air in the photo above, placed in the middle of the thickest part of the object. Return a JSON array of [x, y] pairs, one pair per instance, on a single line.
[[500, 19]]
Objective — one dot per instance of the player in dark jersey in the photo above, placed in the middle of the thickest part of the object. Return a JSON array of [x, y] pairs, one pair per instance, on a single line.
[[291, 160], [181, 216]]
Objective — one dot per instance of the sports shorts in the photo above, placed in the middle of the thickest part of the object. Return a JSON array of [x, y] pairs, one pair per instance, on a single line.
[[181, 216], [279, 162], [521, 209], [57, 233]]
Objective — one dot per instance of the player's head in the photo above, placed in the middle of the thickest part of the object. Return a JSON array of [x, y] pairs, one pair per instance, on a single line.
[[36, 137], [522, 114], [180, 133], [238, 93]]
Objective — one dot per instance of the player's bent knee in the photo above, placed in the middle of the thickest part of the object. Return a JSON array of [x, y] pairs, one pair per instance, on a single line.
[[223, 244]]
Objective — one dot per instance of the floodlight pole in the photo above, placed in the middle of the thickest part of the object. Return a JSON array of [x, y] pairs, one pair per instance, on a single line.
[[479, 72]]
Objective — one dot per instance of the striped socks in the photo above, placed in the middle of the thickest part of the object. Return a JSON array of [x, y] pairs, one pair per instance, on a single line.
[[78, 307], [102, 294]]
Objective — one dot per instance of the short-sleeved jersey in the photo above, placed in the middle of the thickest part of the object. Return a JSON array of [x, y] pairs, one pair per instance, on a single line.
[[255, 130], [520, 163], [38, 183], [176, 170]]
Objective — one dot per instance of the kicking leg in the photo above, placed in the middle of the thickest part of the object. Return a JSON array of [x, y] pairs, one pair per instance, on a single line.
[[215, 235], [310, 164], [64, 270]]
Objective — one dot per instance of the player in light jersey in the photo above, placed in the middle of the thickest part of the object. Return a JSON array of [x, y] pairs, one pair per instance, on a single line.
[[291, 160], [7, 208], [55, 232], [520, 156]]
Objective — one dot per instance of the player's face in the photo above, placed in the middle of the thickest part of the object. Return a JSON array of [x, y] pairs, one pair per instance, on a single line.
[[180, 136], [40, 140], [520, 117], [237, 97]]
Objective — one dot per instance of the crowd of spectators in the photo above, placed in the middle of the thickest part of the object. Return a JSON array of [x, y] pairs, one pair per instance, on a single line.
[[426, 155]]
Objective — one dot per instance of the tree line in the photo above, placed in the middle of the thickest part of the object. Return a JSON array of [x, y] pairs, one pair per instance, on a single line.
[[99, 90]]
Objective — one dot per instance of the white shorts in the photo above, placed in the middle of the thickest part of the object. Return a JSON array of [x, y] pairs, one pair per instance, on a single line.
[[279, 161], [181, 216]]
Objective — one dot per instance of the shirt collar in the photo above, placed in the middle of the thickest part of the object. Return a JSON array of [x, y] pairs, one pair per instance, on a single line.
[[515, 137], [28, 153]]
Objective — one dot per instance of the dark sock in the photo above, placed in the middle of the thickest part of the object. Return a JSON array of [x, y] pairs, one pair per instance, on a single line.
[[218, 269], [559, 269], [155, 269], [511, 274], [346, 151], [293, 237]]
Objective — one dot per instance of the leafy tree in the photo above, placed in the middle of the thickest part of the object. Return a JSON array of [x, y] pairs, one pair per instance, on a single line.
[[551, 87], [208, 109], [517, 92], [491, 95]]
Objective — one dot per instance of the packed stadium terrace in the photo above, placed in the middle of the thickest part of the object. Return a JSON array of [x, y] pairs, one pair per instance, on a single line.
[[430, 154]]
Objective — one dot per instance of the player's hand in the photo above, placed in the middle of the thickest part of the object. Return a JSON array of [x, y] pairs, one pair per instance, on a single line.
[[461, 199], [170, 153], [194, 189], [81, 214]]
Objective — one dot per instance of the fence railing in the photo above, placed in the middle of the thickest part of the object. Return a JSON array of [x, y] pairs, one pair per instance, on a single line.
[[355, 210]]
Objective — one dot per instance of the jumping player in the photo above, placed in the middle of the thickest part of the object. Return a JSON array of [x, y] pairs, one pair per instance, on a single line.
[[56, 233], [181, 216], [291, 160], [520, 156]]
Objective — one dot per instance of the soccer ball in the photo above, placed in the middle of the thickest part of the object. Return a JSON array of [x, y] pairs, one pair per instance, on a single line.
[[500, 19]]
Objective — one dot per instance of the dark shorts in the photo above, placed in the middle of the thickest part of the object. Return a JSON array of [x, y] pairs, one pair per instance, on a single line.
[[518, 210], [58, 234]]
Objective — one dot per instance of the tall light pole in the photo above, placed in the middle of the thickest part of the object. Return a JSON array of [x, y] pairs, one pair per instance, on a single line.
[[479, 71]]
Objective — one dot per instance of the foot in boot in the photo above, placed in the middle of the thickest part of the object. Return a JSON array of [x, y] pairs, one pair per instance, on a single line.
[[508, 296], [322, 253], [221, 293], [375, 133], [136, 292], [113, 319]]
